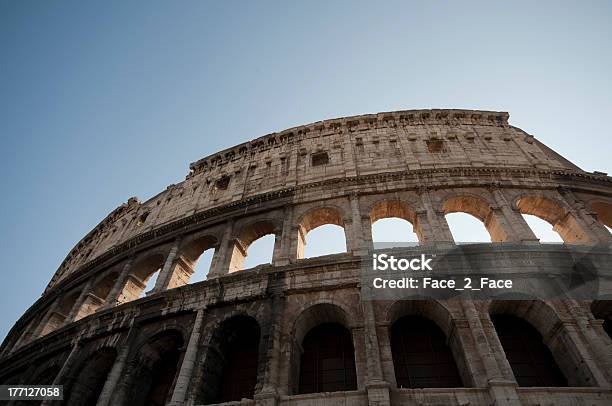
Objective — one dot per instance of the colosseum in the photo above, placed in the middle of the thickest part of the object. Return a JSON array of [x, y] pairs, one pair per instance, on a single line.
[[298, 331]]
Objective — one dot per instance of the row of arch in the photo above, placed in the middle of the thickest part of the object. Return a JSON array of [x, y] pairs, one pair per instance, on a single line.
[[231, 364], [221, 254]]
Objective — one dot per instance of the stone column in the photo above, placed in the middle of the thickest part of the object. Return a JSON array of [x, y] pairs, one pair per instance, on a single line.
[[592, 336], [434, 223], [377, 388], [500, 380], [515, 225], [297, 242], [355, 241], [215, 260], [64, 369], [110, 385], [79, 302], [223, 255], [282, 244], [113, 295], [167, 270], [595, 231], [268, 394], [484, 351], [565, 337], [189, 360], [602, 346]]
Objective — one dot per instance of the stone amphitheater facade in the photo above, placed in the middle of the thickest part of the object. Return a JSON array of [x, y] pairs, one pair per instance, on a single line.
[[243, 332]]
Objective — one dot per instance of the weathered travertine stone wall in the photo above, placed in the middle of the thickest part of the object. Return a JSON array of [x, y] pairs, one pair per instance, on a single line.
[[418, 165]]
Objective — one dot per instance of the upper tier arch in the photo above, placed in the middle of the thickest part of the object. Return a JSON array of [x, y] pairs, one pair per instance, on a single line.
[[409, 143]]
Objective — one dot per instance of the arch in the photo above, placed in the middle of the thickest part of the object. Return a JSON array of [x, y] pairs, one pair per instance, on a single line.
[[603, 211], [86, 383], [327, 361], [154, 369], [145, 267], [96, 297], [542, 229], [478, 208], [320, 314], [396, 209], [45, 376], [562, 221], [536, 312], [59, 315], [430, 309], [315, 218], [547, 323], [421, 357], [140, 273], [104, 285], [231, 362], [531, 360], [189, 259], [314, 314], [249, 234]]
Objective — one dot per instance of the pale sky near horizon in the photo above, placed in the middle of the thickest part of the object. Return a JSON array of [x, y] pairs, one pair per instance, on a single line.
[[101, 101]]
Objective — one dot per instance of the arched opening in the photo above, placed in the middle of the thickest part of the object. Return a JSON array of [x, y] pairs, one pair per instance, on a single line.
[[195, 261], [393, 224], [603, 211], [562, 221], [327, 363], [149, 283], [142, 278], [530, 359], [232, 361], [421, 357], [88, 380], [202, 266], [103, 286], [471, 220], [466, 228], [602, 310], [321, 232], [46, 376], [155, 368], [250, 243], [98, 294], [318, 361], [542, 229], [59, 315], [325, 240], [260, 251]]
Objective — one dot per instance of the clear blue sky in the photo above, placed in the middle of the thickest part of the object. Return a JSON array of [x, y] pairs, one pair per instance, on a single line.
[[100, 101]]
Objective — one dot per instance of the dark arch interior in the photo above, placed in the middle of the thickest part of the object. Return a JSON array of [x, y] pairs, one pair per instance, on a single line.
[[531, 360], [155, 370], [232, 361], [46, 377], [420, 355], [602, 309], [327, 363], [90, 378], [607, 325]]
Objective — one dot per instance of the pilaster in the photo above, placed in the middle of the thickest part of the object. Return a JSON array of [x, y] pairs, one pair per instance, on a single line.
[[167, 272]]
